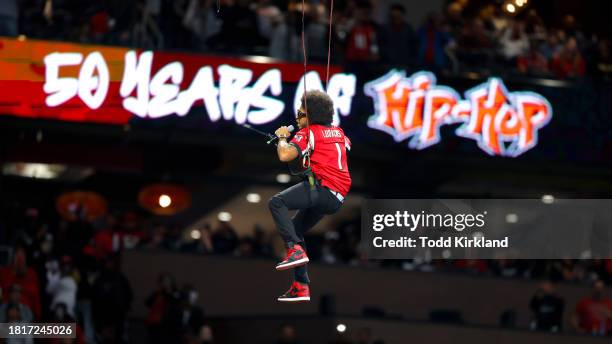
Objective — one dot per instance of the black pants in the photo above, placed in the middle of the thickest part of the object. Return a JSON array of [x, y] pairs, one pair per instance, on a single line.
[[311, 206]]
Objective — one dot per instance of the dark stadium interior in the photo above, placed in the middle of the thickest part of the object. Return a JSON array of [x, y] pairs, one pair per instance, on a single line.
[[205, 274]]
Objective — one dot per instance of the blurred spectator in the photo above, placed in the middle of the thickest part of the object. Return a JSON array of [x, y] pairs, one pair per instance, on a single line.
[[570, 27], [551, 46], [203, 243], [123, 15], [600, 269], [282, 41], [593, 314], [245, 247], [474, 44], [8, 17], [112, 297], [261, 244], [316, 34], [474, 36], [19, 273], [328, 249], [397, 39], [287, 335], [14, 300], [147, 33], [364, 336], [362, 40], [173, 238], [153, 7], [601, 63], [99, 26], [61, 315], [61, 18], [88, 271], [238, 32], [514, 42], [499, 21], [225, 240], [534, 62], [206, 335], [343, 22], [534, 26], [156, 236], [13, 315], [62, 286], [163, 299], [454, 18], [42, 253], [568, 63], [267, 13], [73, 236], [187, 24], [547, 309], [432, 42], [206, 244], [566, 270], [185, 318], [200, 19]]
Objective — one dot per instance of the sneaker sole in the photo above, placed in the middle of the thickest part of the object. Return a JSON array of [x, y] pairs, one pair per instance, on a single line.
[[293, 264], [294, 299]]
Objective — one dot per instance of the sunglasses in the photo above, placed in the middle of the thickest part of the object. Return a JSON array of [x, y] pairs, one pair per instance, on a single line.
[[300, 114]]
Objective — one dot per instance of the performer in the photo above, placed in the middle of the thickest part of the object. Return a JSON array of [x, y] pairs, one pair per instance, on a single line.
[[322, 147]]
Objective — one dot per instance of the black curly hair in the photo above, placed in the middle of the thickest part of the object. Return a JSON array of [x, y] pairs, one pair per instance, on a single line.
[[319, 107]]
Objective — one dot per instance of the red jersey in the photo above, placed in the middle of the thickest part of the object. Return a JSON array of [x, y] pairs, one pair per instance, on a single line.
[[327, 146], [594, 315], [361, 43]]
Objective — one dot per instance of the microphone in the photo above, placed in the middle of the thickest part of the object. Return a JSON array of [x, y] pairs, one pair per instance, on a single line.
[[291, 128]]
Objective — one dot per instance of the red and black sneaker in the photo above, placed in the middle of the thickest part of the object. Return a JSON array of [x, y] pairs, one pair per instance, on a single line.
[[295, 257], [299, 292]]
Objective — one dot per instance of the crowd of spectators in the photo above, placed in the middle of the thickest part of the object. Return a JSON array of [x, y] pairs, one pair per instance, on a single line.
[[51, 274], [458, 38], [174, 315], [60, 270], [591, 315]]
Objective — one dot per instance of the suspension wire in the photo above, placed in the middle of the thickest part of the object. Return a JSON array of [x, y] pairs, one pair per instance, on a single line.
[[331, 12], [306, 160]]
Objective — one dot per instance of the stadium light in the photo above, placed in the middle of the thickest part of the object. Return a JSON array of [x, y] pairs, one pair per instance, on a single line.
[[224, 216], [253, 197], [283, 178], [164, 201], [548, 199], [511, 218], [195, 234], [341, 328]]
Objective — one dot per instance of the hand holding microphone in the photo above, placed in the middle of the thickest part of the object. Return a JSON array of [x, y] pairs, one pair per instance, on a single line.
[[282, 132]]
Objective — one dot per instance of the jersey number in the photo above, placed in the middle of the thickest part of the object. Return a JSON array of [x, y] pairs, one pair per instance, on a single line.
[[339, 155]]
